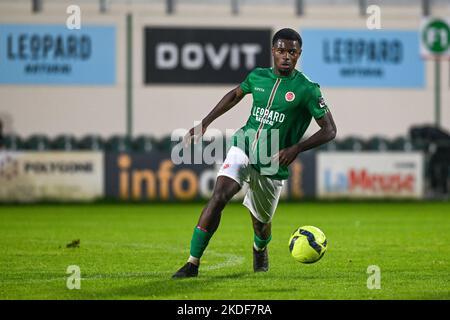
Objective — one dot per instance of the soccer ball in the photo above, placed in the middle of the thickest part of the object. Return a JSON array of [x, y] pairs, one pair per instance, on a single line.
[[307, 244]]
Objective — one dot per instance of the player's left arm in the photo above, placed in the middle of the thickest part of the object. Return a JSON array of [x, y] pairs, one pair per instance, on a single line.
[[326, 133]]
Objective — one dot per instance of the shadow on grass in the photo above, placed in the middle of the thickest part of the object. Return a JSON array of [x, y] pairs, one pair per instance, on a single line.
[[163, 288], [207, 285]]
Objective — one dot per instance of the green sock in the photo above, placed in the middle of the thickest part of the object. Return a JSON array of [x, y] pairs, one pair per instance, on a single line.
[[199, 242], [260, 244]]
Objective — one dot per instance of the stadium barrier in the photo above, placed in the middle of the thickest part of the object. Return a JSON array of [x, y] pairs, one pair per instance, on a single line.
[[129, 176], [154, 177], [29, 176], [68, 169], [145, 143], [370, 175]]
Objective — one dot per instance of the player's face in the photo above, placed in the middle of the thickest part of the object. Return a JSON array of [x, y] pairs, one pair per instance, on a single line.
[[285, 55]]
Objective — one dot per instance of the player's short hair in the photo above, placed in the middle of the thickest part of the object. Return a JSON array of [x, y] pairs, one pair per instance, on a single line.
[[287, 34]]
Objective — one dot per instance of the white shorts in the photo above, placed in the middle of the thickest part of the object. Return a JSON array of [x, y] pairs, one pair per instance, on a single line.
[[262, 194]]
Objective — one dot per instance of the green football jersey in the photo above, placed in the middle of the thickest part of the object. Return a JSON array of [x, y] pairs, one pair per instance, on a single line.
[[286, 104]]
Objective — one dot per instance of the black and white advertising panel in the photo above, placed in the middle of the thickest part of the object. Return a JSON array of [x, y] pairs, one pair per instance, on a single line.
[[204, 55]]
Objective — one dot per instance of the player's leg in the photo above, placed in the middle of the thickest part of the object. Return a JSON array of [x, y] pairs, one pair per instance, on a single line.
[[229, 181], [262, 200], [224, 189], [262, 230], [261, 238], [209, 220]]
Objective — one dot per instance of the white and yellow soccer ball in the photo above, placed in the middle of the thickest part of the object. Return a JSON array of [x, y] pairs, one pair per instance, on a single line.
[[307, 244]]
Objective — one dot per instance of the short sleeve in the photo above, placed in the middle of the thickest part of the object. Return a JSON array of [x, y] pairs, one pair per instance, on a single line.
[[246, 84], [316, 104]]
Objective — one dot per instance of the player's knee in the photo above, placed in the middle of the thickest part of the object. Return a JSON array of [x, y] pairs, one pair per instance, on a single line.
[[220, 198]]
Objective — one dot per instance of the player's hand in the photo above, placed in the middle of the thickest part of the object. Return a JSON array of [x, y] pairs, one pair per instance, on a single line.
[[196, 132], [286, 156]]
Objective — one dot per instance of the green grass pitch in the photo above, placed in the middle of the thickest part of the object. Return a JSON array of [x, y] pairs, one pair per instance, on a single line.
[[130, 252]]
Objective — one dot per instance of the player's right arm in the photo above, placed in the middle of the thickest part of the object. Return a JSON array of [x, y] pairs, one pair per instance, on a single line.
[[228, 101]]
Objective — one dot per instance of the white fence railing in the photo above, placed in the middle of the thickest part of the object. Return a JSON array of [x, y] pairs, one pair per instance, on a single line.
[[300, 6]]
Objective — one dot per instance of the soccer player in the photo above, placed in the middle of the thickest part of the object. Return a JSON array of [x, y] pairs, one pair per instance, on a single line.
[[284, 100]]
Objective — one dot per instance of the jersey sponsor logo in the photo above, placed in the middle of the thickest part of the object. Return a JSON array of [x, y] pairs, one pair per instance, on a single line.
[[259, 89], [289, 96], [267, 116]]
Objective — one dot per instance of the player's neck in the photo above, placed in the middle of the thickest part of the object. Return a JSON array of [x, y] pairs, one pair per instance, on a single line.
[[282, 73]]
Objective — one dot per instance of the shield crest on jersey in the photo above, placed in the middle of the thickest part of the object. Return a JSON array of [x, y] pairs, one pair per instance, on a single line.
[[290, 96]]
